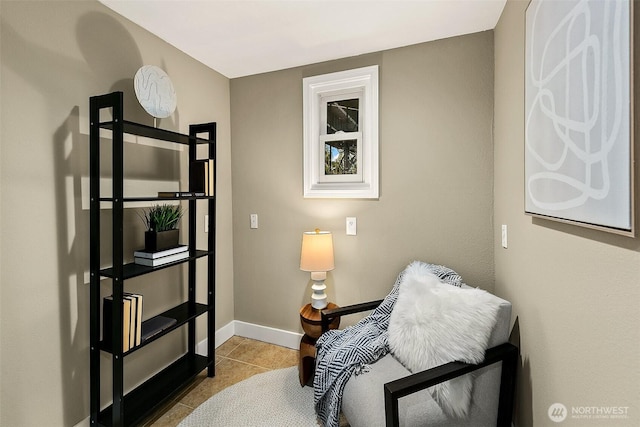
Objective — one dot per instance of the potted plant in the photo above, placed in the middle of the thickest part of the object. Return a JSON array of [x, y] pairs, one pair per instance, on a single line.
[[162, 231]]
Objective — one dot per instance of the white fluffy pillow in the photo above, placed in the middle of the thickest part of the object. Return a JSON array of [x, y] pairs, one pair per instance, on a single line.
[[433, 323]]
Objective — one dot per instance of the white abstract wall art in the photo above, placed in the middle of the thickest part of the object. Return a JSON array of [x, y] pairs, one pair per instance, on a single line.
[[155, 91], [578, 113]]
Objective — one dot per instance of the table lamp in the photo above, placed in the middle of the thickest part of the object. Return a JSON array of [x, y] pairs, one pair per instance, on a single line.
[[317, 257]]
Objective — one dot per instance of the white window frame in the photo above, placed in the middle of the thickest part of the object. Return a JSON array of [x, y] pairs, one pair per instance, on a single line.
[[360, 83]]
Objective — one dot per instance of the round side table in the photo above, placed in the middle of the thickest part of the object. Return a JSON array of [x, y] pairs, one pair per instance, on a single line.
[[310, 319]]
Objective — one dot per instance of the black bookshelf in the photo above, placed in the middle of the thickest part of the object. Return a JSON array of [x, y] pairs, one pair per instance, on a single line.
[[130, 408], [149, 396]]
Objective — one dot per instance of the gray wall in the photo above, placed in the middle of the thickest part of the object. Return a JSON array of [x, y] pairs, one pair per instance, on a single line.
[[575, 291], [436, 174], [54, 55]]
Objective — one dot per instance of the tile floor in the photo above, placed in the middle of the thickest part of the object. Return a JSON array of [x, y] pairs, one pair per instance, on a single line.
[[236, 360]]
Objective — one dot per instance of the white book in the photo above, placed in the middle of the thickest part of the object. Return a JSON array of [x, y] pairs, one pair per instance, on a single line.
[[161, 261], [136, 330], [132, 320], [160, 254]]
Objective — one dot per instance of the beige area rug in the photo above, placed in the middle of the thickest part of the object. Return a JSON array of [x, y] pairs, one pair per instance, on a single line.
[[272, 399]]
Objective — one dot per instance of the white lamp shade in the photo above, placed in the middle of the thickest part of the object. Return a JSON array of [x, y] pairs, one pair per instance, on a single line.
[[317, 251]]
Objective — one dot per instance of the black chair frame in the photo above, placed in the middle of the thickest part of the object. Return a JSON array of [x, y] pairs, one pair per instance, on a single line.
[[507, 353]]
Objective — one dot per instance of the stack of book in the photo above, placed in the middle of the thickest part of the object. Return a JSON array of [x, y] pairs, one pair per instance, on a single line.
[[201, 181], [131, 321], [154, 259], [179, 194], [134, 330]]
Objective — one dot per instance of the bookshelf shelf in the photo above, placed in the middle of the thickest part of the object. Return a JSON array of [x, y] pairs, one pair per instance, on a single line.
[[183, 313], [155, 199], [130, 408], [138, 129], [132, 270]]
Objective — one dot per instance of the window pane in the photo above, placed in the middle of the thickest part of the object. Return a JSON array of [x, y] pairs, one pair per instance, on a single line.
[[340, 157], [342, 115]]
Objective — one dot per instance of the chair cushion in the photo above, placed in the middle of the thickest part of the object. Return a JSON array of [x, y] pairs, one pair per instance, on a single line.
[[363, 401]]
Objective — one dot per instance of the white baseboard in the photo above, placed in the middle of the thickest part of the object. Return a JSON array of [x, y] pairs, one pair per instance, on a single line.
[[257, 332], [267, 334], [224, 333]]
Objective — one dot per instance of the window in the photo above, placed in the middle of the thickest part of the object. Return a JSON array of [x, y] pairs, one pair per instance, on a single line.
[[340, 138], [341, 134]]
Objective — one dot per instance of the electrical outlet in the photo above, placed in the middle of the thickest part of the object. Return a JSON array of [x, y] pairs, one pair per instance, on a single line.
[[253, 219]]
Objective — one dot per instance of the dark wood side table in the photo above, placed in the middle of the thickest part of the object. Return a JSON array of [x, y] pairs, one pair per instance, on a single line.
[[310, 319]]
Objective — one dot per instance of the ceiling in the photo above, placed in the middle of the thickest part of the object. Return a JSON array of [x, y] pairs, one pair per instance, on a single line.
[[244, 37]]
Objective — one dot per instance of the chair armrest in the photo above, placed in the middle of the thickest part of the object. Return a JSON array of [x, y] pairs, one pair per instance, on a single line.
[[506, 353], [326, 315]]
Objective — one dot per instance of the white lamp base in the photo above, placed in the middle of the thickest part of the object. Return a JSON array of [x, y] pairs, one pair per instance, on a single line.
[[318, 297]]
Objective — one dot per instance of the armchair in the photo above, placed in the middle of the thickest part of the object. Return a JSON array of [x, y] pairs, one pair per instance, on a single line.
[[391, 395]]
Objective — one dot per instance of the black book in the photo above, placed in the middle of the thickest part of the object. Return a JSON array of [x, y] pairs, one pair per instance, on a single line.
[[201, 177], [155, 325], [107, 322]]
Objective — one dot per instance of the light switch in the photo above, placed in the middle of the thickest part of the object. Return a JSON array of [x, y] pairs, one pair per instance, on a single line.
[[504, 236], [351, 226], [254, 220]]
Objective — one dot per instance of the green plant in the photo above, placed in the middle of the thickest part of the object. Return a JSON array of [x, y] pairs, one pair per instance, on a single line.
[[162, 217]]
